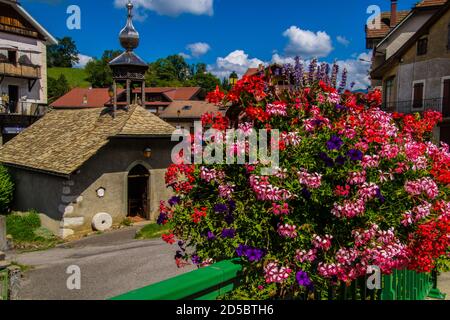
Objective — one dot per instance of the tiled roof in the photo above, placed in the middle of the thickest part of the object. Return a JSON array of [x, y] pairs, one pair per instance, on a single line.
[[96, 98], [63, 140], [251, 71], [401, 15], [174, 93], [385, 28], [430, 3], [194, 110]]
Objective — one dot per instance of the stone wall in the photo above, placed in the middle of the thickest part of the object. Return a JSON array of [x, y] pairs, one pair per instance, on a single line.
[[3, 243]]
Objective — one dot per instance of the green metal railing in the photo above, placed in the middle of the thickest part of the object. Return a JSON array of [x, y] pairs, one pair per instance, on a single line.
[[214, 281], [4, 284]]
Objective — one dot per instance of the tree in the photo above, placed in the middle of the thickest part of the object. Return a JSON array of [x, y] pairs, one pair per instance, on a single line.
[[174, 71], [64, 54], [207, 81], [6, 190], [57, 88], [98, 71]]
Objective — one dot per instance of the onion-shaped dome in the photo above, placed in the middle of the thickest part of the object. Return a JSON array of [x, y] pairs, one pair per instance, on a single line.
[[129, 37]]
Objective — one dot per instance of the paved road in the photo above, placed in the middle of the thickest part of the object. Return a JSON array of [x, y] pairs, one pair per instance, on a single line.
[[111, 264]]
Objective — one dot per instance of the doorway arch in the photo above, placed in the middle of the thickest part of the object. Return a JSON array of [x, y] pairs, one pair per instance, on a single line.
[[138, 192]]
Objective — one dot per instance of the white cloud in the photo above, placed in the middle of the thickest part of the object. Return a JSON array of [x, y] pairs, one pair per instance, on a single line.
[[172, 8], [184, 55], [198, 49], [83, 61], [343, 40], [281, 60], [307, 43], [237, 61], [358, 71]]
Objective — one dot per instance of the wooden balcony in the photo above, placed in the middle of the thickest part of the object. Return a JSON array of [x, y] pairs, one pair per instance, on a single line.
[[18, 70]]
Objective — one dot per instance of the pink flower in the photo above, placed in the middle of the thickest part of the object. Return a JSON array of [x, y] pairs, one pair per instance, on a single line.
[[389, 151], [368, 191], [322, 243], [370, 161], [416, 214], [276, 274], [267, 192], [226, 190], [277, 109], [334, 97], [306, 256], [211, 174], [311, 180], [287, 231], [355, 178], [291, 138], [425, 186], [279, 210], [349, 209]]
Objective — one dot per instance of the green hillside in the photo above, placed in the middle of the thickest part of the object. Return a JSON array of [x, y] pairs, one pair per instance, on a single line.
[[75, 77]]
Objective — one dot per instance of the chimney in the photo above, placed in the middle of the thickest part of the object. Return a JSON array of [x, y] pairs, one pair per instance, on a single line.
[[393, 13]]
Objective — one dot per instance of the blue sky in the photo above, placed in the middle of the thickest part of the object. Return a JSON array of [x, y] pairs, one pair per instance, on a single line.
[[226, 34]]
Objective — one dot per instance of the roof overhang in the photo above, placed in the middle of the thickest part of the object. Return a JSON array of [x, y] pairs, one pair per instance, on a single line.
[[50, 40]]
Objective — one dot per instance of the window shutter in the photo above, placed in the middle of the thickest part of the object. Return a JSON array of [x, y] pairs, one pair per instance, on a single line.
[[418, 96], [446, 99]]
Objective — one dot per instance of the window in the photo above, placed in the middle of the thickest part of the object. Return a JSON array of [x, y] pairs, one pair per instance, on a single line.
[[418, 95], [448, 37], [422, 46], [388, 100], [12, 56]]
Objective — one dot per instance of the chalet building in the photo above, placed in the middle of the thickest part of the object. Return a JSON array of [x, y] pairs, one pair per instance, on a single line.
[[23, 68], [396, 28], [180, 107], [416, 75], [89, 166]]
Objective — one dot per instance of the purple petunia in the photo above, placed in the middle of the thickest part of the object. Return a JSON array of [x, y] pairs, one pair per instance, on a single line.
[[220, 208], [228, 233], [232, 205], [328, 161], [253, 254], [340, 160], [196, 259], [174, 201], [162, 219], [211, 236], [355, 155], [306, 194], [303, 279], [335, 143], [229, 219]]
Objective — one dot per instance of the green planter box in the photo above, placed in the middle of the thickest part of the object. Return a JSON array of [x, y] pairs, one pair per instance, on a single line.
[[211, 282]]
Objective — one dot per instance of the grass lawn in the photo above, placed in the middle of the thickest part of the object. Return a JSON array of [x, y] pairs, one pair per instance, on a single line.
[[75, 77], [152, 231], [27, 232]]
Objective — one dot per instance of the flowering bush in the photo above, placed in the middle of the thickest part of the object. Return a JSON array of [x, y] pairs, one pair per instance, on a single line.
[[355, 187]]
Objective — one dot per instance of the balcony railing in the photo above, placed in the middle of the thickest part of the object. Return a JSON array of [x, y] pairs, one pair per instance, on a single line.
[[23, 108], [20, 70], [437, 104]]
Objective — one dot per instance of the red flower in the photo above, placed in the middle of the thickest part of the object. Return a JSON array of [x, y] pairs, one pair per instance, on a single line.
[[430, 242], [216, 96], [169, 238], [199, 214]]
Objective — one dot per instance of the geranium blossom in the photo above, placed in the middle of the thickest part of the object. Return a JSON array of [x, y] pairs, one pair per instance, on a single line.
[[355, 187]]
